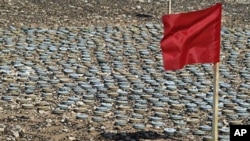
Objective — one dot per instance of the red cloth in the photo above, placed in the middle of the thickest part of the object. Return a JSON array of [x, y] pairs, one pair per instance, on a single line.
[[191, 38]]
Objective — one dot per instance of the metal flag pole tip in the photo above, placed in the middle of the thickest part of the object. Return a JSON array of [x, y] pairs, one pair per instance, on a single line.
[[169, 6]]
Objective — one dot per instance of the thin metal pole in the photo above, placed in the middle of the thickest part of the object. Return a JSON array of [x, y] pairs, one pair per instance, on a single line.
[[215, 102], [169, 6]]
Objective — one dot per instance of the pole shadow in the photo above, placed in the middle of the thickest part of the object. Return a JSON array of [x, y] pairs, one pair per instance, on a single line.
[[136, 136]]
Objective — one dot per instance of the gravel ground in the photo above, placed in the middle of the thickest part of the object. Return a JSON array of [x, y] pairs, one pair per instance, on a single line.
[[48, 13], [16, 18]]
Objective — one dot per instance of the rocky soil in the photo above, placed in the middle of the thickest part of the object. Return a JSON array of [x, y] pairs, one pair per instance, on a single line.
[[25, 25], [41, 13]]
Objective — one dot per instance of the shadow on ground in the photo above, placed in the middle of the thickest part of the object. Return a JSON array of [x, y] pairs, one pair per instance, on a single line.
[[136, 136]]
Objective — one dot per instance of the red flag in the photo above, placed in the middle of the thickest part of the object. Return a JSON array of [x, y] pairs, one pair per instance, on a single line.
[[191, 38]]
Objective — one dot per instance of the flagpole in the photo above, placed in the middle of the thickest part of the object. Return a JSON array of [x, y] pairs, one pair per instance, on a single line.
[[215, 102], [169, 6]]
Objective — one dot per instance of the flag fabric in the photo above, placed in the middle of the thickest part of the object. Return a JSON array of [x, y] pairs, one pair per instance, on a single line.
[[191, 38]]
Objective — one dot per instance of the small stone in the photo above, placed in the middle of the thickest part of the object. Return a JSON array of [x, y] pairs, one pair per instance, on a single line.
[[138, 7], [112, 131], [11, 107], [72, 138], [49, 120], [92, 129], [15, 133], [149, 126], [2, 126], [63, 120], [2, 129], [19, 128], [65, 130], [42, 112], [103, 127], [80, 103], [191, 137], [108, 115], [225, 122], [11, 117]]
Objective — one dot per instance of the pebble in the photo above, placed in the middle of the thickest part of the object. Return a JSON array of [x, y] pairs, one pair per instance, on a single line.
[[15, 134], [92, 129], [49, 120], [2, 127], [103, 127], [138, 7], [64, 119], [65, 130], [72, 138], [42, 112]]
